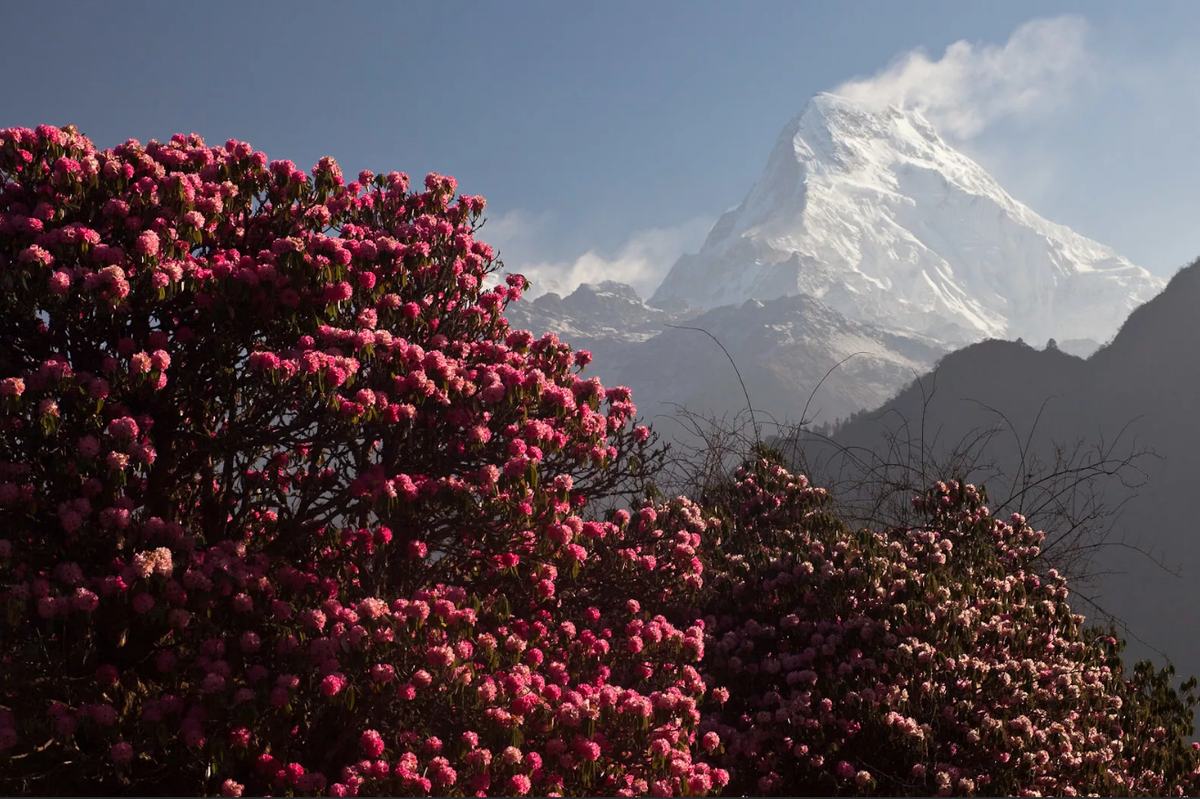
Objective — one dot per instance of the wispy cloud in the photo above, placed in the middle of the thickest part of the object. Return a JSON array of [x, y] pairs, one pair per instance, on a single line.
[[974, 85], [642, 261]]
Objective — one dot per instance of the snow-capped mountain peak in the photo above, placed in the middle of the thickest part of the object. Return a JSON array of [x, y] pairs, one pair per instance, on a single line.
[[872, 212]]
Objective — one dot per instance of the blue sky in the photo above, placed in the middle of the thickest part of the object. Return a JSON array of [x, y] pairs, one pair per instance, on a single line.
[[608, 136]]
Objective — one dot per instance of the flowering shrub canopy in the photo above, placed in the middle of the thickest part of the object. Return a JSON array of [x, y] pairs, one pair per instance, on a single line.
[[922, 662], [287, 508]]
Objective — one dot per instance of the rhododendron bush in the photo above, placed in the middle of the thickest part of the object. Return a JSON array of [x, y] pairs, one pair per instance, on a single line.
[[287, 508], [927, 661]]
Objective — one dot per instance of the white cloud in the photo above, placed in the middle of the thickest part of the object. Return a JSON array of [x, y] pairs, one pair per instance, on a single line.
[[643, 261], [973, 85]]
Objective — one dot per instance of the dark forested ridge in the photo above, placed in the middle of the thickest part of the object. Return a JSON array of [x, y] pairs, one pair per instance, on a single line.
[[1016, 408]]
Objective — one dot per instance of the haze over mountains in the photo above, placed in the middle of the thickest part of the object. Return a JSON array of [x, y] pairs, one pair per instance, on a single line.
[[782, 349]]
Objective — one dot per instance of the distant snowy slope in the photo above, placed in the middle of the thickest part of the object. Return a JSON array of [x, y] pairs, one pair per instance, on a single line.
[[875, 215]]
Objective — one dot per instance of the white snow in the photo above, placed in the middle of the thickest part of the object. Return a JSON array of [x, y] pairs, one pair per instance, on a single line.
[[874, 214]]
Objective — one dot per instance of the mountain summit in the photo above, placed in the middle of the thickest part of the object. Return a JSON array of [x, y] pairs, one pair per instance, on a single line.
[[872, 213]]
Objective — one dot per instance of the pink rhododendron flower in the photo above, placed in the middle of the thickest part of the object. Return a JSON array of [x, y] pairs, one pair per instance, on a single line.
[[372, 743], [333, 684], [147, 243]]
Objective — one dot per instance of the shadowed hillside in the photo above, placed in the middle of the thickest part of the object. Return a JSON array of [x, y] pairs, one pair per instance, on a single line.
[[1125, 419]]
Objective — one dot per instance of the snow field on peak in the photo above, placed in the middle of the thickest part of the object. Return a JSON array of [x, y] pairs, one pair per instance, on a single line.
[[872, 212]]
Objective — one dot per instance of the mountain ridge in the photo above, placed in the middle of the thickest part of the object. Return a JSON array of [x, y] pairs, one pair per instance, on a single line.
[[872, 212]]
